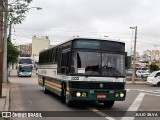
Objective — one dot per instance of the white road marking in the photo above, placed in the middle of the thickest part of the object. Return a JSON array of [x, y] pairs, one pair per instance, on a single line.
[[128, 90], [157, 90], [101, 113], [135, 105], [152, 94], [109, 118], [149, 91]]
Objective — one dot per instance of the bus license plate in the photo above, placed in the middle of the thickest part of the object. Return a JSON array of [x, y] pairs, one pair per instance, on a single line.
[[101, 96]]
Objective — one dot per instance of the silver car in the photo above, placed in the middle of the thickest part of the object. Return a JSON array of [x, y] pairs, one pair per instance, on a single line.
[[142, 73]]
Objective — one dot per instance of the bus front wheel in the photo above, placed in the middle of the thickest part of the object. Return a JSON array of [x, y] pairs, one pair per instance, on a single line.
[[108, 104], [68, 103]]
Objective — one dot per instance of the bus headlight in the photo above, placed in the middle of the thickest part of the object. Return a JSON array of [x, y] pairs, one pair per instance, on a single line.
[[117, 95], [78, 94], [121, 94]]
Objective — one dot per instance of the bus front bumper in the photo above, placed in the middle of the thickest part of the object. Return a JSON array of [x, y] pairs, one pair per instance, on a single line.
[[25, 74], [96, 95]]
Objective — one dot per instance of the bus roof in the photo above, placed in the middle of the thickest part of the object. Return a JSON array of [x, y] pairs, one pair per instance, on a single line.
[[89, 38]]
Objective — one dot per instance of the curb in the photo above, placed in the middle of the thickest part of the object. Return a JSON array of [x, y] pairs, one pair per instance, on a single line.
[[6, 107], [137, 83]]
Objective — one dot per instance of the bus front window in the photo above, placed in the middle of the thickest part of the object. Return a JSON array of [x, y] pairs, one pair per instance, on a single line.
[[87, 63], [112, 64], [25, 68], [97, 64], [25, 61]]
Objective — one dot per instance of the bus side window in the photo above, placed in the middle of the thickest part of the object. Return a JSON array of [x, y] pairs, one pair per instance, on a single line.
[[59, 57], [65, 62]]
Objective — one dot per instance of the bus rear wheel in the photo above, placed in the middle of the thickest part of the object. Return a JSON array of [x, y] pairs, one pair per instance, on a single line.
[[63, 94], [108, 104], [45, 90]]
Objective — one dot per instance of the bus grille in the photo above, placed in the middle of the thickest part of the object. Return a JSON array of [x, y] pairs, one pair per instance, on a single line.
[[99, 85]]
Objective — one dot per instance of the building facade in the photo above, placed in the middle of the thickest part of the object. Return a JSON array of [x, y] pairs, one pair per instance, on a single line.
[[152, 55], [25, 50], [38, 44]]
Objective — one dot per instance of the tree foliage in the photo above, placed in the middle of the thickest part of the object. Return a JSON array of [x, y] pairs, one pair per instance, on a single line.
[[17, 13], [153, 67], [17, 10], [13, 53]]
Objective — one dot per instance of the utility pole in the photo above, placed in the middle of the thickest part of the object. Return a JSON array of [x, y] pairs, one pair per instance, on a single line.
[[134, 55], [5, 70], [1, 45]]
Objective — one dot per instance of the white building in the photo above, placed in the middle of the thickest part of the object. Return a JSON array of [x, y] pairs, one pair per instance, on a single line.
[[38, 44]]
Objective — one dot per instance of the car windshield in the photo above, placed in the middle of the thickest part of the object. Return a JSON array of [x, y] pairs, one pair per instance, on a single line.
[[153, 74], [97, 64], [143, 71]]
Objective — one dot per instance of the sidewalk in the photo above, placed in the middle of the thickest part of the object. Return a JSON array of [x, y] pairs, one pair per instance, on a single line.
[[4, 100], [137, 81]]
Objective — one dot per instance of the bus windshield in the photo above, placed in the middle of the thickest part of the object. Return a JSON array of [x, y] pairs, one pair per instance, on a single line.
[[25, 68], [25, 61], [97, 64]]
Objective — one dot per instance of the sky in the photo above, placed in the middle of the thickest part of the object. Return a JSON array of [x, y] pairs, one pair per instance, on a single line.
[[63, 19]]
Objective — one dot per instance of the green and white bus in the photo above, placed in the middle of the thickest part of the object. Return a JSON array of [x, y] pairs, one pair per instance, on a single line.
[[84, 69]]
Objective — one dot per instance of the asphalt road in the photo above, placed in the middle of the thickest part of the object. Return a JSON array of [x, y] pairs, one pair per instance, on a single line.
[[27, 95]]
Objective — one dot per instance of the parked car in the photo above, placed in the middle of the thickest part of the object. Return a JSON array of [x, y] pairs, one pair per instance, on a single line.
[[142, 73], [154, 78], [129, 72]]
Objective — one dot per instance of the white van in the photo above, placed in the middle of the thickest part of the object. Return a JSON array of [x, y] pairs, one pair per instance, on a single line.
[[154, 78]]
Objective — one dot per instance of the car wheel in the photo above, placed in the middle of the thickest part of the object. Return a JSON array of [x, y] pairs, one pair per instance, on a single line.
[[158, 84]]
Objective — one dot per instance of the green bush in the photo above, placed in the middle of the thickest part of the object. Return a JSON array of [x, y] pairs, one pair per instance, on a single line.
[[153, 67]]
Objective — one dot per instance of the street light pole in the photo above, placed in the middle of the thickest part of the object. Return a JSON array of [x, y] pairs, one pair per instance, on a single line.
[[134, 55]]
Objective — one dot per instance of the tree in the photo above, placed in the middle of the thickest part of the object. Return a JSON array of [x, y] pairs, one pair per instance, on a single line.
[[153, 67], [13, 53], [17, 13]]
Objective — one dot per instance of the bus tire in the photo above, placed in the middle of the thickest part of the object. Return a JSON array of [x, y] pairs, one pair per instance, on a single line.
[[63, 94], [108, 104], [45, 90], [68, 103]]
